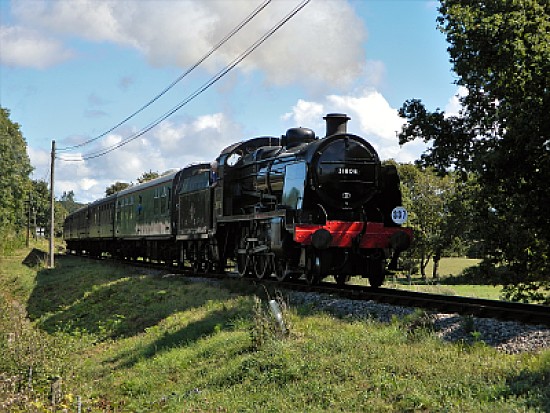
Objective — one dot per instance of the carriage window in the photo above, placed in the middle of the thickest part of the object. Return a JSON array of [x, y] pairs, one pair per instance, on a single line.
[[163, 200]]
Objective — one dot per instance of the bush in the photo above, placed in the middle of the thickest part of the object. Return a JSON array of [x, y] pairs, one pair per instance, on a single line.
[[10, 240]]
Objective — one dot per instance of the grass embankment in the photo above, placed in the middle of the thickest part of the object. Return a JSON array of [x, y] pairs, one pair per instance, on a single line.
[[118, 339]]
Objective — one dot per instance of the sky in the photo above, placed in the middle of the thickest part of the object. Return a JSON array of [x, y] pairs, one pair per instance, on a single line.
[[72, 70]]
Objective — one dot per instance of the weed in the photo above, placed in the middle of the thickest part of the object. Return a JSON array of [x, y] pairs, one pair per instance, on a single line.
[[269, 324], [417, 324]]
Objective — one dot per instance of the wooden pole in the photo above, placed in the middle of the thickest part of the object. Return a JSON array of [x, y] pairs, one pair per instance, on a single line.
[[52, 208], [27, 243]]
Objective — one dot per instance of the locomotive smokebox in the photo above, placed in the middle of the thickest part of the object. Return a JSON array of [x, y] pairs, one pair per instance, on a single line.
[[336, 123]]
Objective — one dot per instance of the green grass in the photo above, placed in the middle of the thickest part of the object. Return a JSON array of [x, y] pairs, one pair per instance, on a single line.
[[451, 266], [126, 341], [478, 291], [448, 267]]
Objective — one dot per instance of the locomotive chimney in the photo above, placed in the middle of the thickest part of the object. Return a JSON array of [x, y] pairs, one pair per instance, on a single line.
[[336, 123]]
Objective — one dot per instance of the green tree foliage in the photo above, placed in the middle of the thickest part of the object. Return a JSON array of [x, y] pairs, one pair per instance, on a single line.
[[68, 196], [40, 200], [148, 176], [15, 168], [116, 187], [500, 51], [68, 202], [119, 186], [438, 208]]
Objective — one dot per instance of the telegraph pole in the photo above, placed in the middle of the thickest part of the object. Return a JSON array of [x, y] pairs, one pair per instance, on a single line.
[[27, 243], [52, 208]]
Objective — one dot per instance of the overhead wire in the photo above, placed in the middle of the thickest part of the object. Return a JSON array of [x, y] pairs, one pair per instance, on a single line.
[[234, 31], [197, 92]]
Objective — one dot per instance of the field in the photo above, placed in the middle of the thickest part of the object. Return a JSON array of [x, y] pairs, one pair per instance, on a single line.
[[120, 339], [447, 267]]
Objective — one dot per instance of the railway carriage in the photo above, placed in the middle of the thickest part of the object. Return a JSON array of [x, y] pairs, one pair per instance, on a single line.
[[143, 220]]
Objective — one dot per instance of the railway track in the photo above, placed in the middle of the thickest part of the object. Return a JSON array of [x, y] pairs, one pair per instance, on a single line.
[[502, 310]]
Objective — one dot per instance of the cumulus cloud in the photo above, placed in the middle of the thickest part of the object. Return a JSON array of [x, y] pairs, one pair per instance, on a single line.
[[310, 47], [172, 145], [305, 113], [454, 106], [23, 47], [371, 117]]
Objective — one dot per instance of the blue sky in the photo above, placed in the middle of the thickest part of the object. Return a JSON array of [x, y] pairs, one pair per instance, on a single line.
[[72, 69]]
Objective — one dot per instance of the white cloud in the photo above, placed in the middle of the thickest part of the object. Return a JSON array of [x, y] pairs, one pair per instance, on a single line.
[[375, 72], [454, 106], [22, 47], [309, 48], [371, 117], [173, 144], [305, 113]]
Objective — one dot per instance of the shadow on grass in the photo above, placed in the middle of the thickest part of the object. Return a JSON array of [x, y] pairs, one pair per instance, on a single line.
[[532, 384], [213, 322], [108, 301]]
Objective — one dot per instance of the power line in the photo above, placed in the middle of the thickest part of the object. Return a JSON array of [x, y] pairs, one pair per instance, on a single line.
[[197, 92], [235, 30]]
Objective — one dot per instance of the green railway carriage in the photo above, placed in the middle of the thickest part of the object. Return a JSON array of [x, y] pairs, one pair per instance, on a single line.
[[145, 210], [75, 227], [101, 218], [90, 229], [166, 219], [142, 220]]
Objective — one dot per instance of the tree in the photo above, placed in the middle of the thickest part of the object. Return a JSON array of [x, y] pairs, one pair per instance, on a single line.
[[436, 206], [68, 196], [148, 176], [41, 203], [116, 187], [68, 202], [15, 168], [500, 51]]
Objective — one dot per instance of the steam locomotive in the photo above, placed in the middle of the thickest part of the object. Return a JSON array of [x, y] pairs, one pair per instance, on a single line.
[[289, 207]]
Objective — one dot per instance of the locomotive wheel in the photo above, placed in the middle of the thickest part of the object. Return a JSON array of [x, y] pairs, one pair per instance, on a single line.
[[376, 278], [243, 265], [282, 273], [313, 270], [261, 266], [312, 278], [196, 265], [342, 279], [199, 259]]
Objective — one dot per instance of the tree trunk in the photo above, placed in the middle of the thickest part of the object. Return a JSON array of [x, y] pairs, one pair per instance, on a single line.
[[437, 257]]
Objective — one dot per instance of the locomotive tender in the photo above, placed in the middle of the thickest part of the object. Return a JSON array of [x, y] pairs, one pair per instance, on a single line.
[[289, 206]]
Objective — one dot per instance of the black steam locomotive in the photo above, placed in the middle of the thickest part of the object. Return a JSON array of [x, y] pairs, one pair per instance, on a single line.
[[292, 206]]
